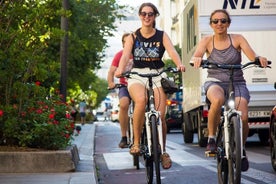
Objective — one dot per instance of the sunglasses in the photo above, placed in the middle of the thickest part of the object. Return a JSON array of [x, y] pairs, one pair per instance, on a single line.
[[144, 14], [215, 21]]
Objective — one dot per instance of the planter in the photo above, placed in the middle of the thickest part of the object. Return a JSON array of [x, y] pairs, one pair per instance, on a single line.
[[37, 161]]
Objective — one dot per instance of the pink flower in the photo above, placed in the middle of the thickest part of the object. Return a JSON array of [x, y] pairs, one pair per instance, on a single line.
[[37, 83], [55, 122], [39, 111], [1, 113], [51, 116], [23, 114]]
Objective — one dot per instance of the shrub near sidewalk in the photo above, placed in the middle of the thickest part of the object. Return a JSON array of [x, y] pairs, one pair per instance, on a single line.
[[42, 122]]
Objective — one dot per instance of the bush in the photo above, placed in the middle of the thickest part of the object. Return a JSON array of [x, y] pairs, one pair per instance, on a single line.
[[42, 122]]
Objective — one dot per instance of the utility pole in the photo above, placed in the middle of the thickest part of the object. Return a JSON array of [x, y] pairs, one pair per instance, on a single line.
[[64, 50]]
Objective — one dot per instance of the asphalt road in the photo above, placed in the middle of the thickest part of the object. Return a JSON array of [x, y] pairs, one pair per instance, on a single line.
[[114, 165]]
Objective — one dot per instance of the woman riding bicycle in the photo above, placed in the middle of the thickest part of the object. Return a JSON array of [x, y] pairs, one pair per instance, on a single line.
[[147, 46], [224, 48]]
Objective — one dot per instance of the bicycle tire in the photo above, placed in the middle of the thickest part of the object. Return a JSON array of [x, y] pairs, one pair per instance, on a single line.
[[234, 161], [155, 148], [135, 158], [222, 165], [147, 158], [136, 161]]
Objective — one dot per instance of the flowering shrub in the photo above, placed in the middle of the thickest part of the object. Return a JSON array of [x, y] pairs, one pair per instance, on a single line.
[[42, 122]]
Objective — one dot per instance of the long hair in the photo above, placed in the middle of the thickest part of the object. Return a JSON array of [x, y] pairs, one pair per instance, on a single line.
[[155, 11]]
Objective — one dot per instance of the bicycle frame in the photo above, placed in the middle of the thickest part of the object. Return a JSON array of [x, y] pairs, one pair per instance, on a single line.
[[152, 112], [130, 115], [230, 110], [153, 133]]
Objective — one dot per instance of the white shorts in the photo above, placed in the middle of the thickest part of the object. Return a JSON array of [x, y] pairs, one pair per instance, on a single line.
[[144, 80]]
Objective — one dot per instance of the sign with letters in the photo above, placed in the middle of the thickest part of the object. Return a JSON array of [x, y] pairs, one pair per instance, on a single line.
[[239, 7]]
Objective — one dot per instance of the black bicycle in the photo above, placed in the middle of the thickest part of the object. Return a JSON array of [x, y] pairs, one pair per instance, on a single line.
[[152, 136], [229, 142]]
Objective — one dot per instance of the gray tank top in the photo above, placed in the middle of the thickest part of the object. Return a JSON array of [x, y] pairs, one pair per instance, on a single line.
[[229, 55]]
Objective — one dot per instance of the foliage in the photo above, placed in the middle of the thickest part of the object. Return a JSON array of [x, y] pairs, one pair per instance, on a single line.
[[170, 63], [30, 37], [40, 123]]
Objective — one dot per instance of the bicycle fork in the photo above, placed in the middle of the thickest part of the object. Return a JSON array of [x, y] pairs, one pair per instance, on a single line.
[[159, 129], [226, 126]]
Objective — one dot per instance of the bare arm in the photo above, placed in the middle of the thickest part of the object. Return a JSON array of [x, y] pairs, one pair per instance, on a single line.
[[125, 57], [249, 52], [172, 52], [110, 76], [200, 51]]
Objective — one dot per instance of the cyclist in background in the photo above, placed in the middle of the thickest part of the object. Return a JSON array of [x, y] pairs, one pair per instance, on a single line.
[[124, 98], [224, 48]]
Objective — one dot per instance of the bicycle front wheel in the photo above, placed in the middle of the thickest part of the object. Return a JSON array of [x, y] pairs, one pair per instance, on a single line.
[[148, 159], [222, 166], [155, 148], [234, 161]]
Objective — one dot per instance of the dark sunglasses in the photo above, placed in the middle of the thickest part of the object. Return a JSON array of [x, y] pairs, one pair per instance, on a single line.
[[215, 21], [144, 14]]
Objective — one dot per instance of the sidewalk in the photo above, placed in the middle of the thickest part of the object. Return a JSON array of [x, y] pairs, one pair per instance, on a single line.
[[85, 173]]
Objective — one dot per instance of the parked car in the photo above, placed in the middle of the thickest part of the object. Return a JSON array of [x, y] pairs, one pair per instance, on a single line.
[[174, 115], [100, 116], [115, 115], [272, 134]]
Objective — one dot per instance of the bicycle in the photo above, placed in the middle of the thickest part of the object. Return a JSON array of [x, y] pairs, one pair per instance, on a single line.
[[130, 126], [229, 142], [152, 136]]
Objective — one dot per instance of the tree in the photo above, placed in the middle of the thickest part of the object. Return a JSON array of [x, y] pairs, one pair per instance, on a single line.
[[30, 37]]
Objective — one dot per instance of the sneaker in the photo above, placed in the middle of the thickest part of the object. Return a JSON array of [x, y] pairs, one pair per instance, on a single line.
[[211, 146], [123, 143], [244, 162]]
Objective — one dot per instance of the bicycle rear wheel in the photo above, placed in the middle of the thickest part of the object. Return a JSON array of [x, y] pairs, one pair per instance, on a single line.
[[155, 148], [234, 161], [136, 161], [147, 158], [222, 165], [130, 141]]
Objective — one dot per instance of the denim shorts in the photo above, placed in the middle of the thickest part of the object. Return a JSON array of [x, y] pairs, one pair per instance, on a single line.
[[240, 88]]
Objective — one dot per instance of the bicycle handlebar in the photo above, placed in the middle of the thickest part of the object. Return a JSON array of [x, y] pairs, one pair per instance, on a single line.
[[207, 64], [148, 75], [117, 86]]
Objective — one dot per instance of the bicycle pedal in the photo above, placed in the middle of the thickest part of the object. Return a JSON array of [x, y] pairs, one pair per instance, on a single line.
[[210, 154]]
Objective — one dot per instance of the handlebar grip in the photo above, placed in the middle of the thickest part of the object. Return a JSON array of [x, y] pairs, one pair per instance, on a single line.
[[257, 61]]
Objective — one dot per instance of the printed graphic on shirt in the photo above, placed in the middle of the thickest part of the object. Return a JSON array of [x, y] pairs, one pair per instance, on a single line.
[[147, 51]]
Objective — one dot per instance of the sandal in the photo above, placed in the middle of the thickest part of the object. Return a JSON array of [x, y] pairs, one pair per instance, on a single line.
[[135, 149], [166, 161]]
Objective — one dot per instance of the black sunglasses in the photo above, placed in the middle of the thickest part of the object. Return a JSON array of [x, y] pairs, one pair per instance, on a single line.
[[215, 21], [144, 14]]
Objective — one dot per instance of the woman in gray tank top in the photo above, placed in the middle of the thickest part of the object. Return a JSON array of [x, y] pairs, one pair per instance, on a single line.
[[224, 48]]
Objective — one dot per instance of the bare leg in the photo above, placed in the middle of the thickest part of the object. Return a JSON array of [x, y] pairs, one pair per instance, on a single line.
[[123, 115], [215, 95], [139, 110]]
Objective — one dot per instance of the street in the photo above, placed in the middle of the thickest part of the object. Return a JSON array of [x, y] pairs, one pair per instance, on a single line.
[[114, 165]]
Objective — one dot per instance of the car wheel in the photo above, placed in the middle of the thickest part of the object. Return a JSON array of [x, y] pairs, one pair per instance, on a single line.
[[263, 136], [202, 140], [188, 134]]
